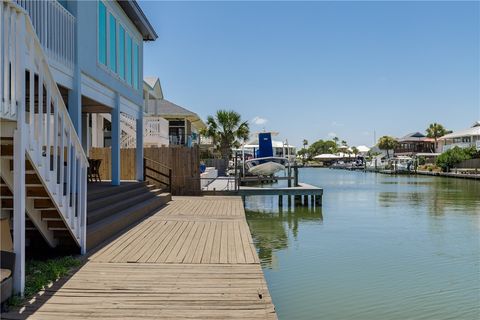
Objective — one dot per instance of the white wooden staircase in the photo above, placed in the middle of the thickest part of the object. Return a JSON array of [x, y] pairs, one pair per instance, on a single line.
[[155, 129], [42, 163]]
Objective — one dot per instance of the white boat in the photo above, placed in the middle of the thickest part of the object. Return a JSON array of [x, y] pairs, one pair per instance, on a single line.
[[376, 164], [266, 166], [402, 164]]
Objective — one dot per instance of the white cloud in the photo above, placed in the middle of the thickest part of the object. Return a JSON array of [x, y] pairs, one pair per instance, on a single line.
[[332, 134], [259, 120]]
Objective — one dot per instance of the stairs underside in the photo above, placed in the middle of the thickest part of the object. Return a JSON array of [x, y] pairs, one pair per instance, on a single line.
[[41, 213], [111, 209]]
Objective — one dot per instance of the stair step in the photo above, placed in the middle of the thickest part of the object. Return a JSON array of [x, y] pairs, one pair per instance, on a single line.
[[108, 190], [36, 191], [32, 179], [28, 165], [43, 203], [5, 191], [109, 227], [115, 198], [6, 140], [104, 212], [50, 216], [6, 150], [6, 203], [56, 225]]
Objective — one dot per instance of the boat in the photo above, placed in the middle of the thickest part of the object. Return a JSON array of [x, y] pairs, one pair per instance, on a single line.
[[265, 164], [402, 164]]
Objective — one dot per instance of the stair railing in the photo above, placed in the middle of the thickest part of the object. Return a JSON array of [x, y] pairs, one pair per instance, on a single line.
[[157, 173], [30, 95]]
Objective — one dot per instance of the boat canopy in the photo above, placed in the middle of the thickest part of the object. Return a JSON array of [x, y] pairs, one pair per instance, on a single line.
[[327, 156]]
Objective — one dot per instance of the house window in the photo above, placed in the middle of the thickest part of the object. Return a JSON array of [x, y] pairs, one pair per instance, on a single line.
[[135, 66], [128, 59], [102, 33], [121, 52], [113, 44]]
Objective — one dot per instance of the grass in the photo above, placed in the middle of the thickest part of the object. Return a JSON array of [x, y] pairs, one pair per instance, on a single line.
[[39, 274]]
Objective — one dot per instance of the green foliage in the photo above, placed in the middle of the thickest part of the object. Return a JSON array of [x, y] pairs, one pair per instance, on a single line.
[[422, 160], [227, 130], [453, 156], [39, 274], [355, 151], [321, 146], [387, 143], [436, 130]]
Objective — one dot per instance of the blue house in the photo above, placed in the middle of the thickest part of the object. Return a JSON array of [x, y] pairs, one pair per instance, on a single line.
[[61, 64]]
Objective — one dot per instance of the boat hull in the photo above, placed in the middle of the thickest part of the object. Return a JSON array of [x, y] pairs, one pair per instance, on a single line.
[[266, 166]]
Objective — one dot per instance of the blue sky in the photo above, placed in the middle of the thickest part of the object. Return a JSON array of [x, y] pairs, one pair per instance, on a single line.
[[317, 69]]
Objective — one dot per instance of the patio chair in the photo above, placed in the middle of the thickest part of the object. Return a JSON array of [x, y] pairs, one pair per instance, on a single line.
[[7, 265]]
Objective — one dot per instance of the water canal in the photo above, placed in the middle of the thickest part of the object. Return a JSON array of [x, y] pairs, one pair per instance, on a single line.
[[381, 247]]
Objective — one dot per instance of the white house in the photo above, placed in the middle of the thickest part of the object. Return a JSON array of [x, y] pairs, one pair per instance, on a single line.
[[183, 125], [61, 64], [469, 137]]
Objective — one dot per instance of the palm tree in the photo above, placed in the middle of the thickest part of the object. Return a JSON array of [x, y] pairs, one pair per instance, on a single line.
[[355, 151], [435, 131], [227, 131], [305, 143], [387, 143], [336, 140], [344, 143]]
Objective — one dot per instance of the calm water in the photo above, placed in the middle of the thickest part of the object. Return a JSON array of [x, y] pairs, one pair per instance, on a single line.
[[382, 247]]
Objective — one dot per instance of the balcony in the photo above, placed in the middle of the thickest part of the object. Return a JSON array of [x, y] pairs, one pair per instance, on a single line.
[[55, 28], [460, 145]]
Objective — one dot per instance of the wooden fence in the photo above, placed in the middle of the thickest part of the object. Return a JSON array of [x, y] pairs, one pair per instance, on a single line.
[[183, 161], [469, 164]]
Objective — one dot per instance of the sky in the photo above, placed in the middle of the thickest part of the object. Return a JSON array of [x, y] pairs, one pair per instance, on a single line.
[[314, 70]]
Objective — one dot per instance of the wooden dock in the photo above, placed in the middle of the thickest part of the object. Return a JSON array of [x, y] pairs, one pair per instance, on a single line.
[[194, 259], [225, 186]]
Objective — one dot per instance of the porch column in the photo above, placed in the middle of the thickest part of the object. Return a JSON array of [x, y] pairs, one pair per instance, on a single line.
[[139, 148], [19, 147], [86, 139], [116, 141], [19, 196]]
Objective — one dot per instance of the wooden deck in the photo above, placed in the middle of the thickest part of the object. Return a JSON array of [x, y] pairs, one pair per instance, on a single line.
[[194, 259]]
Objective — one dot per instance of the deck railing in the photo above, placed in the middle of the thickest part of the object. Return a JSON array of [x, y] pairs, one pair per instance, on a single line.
[[157, 173], [55, 28]]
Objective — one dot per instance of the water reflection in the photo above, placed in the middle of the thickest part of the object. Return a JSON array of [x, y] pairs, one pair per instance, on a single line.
[[271, 225], [437, 195], [383, 247]]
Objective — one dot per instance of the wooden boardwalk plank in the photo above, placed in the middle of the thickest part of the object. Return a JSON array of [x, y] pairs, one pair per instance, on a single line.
[[192, 259]]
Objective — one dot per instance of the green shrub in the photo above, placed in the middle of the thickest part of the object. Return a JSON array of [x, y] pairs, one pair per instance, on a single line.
[[450, 158], [39, 274]]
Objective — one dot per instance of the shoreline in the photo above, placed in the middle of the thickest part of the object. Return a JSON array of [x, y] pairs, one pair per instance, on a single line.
[[418, 172]]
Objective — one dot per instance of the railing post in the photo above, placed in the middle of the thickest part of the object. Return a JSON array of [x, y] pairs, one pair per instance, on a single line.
[[144, 169], [170, 180], [19, 161]]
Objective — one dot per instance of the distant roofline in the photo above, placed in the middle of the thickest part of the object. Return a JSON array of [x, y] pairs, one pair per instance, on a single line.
[[136, 15]]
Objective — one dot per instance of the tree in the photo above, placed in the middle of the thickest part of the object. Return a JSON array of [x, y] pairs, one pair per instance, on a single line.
[[435, 131], [387, 143], [227, 131], [304, 153], [335, 139], [451, 157], [355, 151], [344, 143], [321, 146]]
